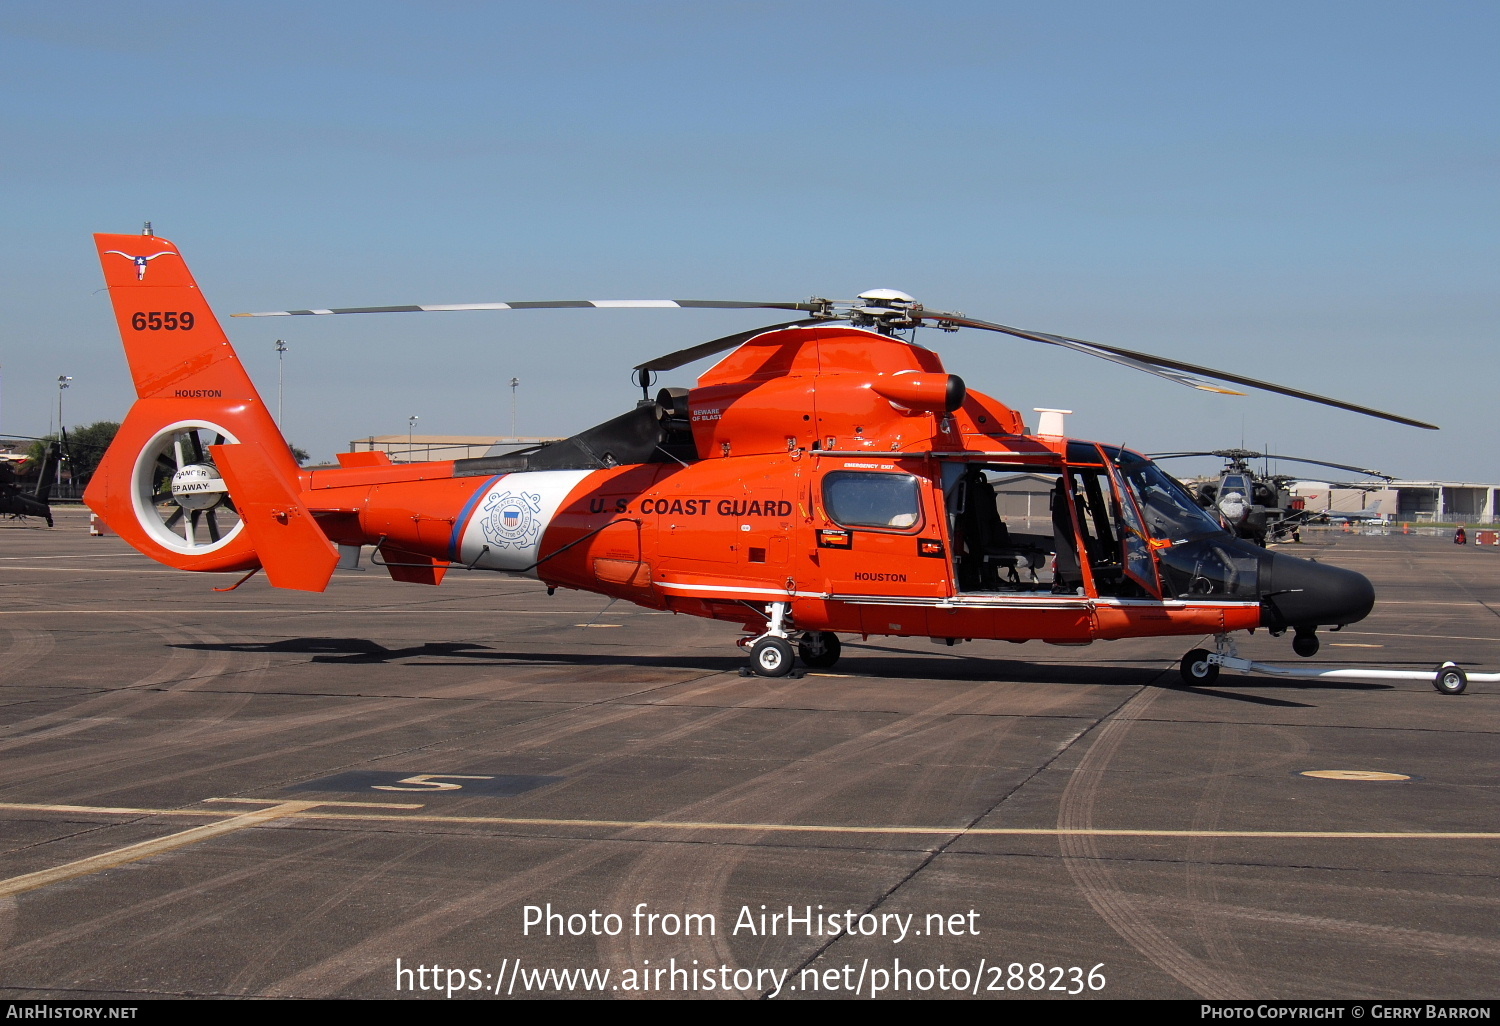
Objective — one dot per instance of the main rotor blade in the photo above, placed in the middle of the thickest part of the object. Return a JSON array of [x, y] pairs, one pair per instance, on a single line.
[[1325, 463], [813, 305], [1228, 454], [1246, 454], [674, 360], [1163, 367]]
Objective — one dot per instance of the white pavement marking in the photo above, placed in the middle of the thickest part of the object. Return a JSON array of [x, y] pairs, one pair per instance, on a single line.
[[145, 849]]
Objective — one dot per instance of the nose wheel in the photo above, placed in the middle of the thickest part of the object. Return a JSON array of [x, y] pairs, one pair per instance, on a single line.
[[1197, 670]]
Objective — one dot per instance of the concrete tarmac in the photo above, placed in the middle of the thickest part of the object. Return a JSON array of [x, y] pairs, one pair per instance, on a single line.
[[390, 790]]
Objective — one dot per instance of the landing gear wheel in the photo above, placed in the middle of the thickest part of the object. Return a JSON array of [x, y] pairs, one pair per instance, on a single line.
[[1306, 645], [1197, 670], [771, 657], [1450, 680], [819, 650]]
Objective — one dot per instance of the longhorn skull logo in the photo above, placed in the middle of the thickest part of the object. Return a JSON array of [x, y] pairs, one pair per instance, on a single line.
[[141, 261]]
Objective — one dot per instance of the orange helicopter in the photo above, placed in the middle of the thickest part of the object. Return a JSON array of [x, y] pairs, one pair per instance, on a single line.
[[828, 476]]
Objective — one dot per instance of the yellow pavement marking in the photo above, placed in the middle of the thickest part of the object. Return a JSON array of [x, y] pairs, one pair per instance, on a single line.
[[289, 611], [133, 852], [1354, 775], [344, 805], [1429, 637], [811, 828], [108, 810], [111, 810], [87, 570], [309, 811], [1415, 602], [96, 555]]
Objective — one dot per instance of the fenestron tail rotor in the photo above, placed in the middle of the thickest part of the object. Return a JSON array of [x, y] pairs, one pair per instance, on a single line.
[[180, 496]]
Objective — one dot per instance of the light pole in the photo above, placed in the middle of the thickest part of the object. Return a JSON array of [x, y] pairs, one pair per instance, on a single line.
[[513, 383], [62, 383], [62, 432], [411, 422], [280, 377]]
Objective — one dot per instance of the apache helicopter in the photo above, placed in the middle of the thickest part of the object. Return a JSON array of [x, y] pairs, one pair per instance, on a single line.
[[19, 504], [1256, 507], [827, 476]]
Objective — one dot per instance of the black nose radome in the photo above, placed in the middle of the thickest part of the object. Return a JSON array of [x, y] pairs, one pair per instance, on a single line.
[[1300, 593]]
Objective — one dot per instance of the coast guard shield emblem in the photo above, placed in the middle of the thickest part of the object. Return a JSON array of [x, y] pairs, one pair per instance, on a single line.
[[512, 519]]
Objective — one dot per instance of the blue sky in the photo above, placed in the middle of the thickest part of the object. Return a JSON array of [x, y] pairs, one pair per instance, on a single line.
[[1301, 192]]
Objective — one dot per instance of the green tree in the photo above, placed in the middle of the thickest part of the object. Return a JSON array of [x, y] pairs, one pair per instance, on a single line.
[[88, 444], [84, 450]]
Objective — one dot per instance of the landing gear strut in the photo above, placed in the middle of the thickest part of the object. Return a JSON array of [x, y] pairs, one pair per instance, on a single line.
[[771, 653]]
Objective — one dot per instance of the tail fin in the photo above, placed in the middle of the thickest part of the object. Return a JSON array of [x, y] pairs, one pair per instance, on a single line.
[[158, 486]]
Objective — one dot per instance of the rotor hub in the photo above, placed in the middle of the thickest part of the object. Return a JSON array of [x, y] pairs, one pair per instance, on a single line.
[[885, 310], [198, 486]]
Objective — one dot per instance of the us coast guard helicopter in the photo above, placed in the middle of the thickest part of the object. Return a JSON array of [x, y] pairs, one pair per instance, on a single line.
[[827, 476]]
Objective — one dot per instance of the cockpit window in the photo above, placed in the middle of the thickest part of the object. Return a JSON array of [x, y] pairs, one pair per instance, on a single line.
[[856, 499], [1171, 514]]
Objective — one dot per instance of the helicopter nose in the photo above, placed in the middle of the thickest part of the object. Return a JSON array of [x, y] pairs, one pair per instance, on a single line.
[[1298, 592]]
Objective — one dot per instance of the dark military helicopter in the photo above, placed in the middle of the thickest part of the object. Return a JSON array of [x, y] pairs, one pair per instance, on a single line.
[[1258, 508], [17, 503]]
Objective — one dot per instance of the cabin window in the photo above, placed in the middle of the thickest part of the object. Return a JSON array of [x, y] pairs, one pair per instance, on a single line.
[[873, 500]]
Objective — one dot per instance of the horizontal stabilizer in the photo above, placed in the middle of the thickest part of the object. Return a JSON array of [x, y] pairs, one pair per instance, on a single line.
[[289, 543]]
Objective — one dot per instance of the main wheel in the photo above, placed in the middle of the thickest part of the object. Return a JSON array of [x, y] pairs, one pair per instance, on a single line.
[[1450, 680], [771, 657], [819, 649], [1196, 669]]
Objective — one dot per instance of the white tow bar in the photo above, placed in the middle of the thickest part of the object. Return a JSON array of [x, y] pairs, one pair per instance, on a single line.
[[1202, 667]]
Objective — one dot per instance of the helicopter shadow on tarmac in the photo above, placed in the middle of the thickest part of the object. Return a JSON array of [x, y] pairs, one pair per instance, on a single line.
[[1113, 675], [366, 651], [893, 663]]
